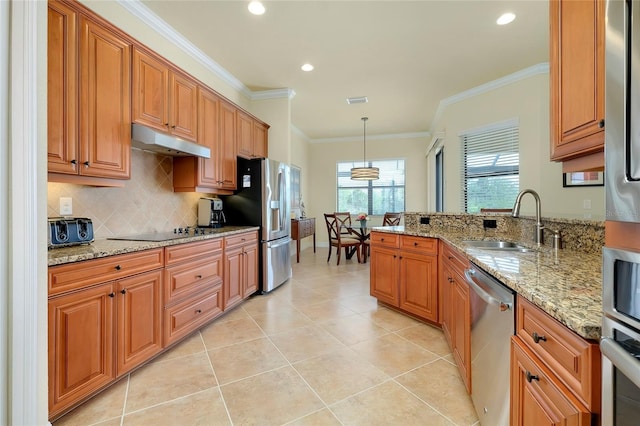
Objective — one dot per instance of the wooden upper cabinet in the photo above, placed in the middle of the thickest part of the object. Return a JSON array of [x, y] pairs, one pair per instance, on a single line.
[[88, 104], [183, 109], [164, 98], [150, 91], [62, 89], [216, 118], [577, 80], [105, 99], [251, 136], [260, 139]]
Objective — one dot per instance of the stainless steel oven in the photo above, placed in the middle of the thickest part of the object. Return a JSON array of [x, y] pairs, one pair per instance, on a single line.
[[620, 343]]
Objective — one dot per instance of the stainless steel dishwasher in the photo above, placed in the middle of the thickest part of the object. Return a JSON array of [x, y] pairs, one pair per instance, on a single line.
[[492, 325]]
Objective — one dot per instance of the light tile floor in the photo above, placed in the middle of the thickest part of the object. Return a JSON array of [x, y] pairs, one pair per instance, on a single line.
[[316, 351]]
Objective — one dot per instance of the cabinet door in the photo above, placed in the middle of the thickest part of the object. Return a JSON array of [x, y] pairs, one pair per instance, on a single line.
[[250, 260], [62, 90], [209, 136], [260, 140], [150, 91], [244, 135], [446, 311], [577, 78], [419, 284], [384, 275], [232, 290], [80, 345], [105, 103], [139, 319], [183, 109], [461, 328], [537, 398], [227, 154]]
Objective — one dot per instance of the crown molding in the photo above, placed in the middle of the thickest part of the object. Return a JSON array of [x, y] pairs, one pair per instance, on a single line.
[[541, 68], [273, 94], [143, 13], [389, 136]]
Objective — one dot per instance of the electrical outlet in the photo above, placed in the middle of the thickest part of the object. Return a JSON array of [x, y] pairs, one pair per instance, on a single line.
[[66, 206], [424, 220], [489, 223], [586, 204]]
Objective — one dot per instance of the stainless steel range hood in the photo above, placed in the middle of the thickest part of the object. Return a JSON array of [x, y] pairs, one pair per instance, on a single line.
[[149, 139]]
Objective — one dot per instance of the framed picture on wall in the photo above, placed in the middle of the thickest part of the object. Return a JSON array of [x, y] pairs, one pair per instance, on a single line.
[[582, 179], [295, 188]]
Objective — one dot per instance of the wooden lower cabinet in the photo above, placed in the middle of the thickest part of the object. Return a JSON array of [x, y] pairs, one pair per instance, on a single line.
[[193, 287], [404, 273], [139, 319], [538, 397], [81, 327], [455, 313], [241, 268]]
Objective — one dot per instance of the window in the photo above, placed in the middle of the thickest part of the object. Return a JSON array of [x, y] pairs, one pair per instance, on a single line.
[[440, 180], [490, 167], [374, 197]]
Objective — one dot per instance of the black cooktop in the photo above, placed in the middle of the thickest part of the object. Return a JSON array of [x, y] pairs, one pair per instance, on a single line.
[[166, 236]]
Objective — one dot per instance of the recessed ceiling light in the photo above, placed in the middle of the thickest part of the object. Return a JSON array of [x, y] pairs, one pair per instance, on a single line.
[[307, 67], [256, 7], [357, 100], [506, 18]]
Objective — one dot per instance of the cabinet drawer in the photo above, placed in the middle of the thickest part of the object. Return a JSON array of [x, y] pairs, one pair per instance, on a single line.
[[424, 245], [384, 239], [185, 317], [189, 277], [73, 276], [575, 361], [181, 252], [456, 259], [536, 394], [240, 239]]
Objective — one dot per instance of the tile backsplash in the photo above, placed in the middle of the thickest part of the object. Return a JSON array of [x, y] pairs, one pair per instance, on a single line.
[[582, 235], [146, 203]]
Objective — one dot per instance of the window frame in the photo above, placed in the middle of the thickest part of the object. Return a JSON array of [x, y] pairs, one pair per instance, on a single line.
[[370, 185], [494, 137]]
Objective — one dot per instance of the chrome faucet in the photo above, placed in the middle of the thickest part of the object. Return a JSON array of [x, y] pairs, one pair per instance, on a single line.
[[539, 236]]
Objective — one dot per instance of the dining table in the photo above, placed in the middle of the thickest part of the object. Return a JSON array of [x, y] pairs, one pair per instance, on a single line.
[[361, 231]]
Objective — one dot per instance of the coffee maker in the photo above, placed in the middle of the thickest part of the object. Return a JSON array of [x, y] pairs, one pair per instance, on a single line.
[[210, 214]]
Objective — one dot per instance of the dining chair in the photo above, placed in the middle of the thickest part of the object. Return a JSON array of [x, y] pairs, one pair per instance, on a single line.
[[344, 220], [391, 219], [339, 240]]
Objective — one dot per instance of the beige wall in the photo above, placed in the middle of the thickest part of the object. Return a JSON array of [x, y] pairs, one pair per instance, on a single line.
[[322, 172], [527, 101]]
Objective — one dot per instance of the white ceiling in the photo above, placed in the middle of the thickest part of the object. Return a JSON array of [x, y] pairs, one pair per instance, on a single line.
[[405, 56]]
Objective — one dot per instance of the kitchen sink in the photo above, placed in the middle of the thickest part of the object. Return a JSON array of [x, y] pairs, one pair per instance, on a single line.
[[497, 245]]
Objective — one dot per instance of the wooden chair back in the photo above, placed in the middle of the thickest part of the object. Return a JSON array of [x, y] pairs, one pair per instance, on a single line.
[[343, 218], [391, 219], [333, 227]]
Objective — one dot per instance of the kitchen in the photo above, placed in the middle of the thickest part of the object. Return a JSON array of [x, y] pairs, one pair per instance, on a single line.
[[545, 175]]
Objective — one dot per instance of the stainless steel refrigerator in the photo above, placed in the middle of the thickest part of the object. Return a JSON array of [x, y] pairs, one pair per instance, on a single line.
[[262, 199]]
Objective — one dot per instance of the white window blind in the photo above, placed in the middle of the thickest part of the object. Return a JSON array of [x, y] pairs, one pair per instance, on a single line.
[[374, 197], [490, 167]]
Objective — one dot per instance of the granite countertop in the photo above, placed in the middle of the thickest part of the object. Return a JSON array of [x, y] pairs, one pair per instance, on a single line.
[[104, 247], [566, 284]]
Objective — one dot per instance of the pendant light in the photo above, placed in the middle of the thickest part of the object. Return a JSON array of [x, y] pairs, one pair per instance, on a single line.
[[365, 173]]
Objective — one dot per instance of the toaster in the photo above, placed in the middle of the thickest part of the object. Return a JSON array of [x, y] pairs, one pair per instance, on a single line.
[[66, 231]]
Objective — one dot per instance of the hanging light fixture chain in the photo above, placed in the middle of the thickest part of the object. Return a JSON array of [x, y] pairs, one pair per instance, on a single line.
[[364, 139]]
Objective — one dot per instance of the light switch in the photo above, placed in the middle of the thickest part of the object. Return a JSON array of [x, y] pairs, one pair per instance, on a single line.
[[66, 206]]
